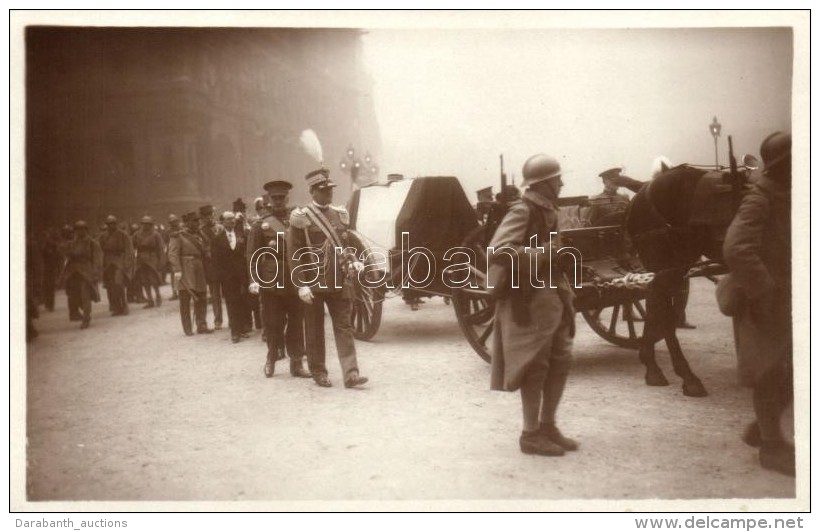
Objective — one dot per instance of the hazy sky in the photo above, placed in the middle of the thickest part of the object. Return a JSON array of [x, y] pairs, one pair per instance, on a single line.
[[450, 101]]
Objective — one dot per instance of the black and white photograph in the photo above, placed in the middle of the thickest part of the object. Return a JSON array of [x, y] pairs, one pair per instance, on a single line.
[[299, 261]]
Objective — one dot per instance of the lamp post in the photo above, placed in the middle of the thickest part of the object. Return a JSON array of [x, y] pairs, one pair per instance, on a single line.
[[714, 129], [353, 166]]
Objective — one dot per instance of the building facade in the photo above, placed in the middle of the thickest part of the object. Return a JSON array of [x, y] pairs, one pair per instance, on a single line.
[[135, 121]]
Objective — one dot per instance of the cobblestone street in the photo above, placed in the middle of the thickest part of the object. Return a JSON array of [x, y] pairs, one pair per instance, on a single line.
[[132, 410]]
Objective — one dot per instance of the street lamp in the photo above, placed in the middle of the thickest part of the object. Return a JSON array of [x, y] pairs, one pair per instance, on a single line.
[[352, 165], [714, 129]]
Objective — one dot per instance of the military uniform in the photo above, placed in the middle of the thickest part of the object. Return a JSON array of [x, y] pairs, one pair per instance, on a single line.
[[209, 230], [321, 228], [186, 252], [118, 265], [150, 260], [82, 273], [173, 227], [282, 315]]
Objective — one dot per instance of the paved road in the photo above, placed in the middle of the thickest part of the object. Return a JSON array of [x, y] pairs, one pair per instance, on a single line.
[[132, 410]]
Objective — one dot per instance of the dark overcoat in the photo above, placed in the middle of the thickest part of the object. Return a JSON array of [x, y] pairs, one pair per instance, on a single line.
[[757, 250]]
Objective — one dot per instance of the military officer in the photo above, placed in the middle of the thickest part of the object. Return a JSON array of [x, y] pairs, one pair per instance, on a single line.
[[173, 227], [322, 227], [208, 230], [282, 315], [186, 252]]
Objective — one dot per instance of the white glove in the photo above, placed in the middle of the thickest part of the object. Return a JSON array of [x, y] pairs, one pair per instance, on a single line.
[[253, 288], [358, 266], [305, 294], [177, 276]]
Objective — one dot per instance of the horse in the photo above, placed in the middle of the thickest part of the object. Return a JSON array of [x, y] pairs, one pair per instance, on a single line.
[[674, 220]]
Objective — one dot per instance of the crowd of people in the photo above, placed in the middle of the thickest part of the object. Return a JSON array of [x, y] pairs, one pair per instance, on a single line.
[[208, 258]]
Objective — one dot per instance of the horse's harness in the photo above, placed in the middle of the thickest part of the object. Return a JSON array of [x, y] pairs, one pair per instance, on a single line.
[[666, 235]]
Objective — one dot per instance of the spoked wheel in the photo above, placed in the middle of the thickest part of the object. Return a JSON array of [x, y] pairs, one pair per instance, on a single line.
[[475, 307], [620, 323], [366, 311]]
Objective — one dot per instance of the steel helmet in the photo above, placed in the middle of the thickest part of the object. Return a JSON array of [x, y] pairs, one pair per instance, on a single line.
[[540, 168], [776, 149]]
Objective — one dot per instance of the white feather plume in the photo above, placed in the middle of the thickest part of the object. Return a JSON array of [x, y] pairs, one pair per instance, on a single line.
[[311, 145], [660, 164]]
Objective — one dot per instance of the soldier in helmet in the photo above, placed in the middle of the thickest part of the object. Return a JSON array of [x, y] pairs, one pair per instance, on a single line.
[[118, 265], [322, 227], [82, 273], [757, 250], [150, 260], [534, 327]]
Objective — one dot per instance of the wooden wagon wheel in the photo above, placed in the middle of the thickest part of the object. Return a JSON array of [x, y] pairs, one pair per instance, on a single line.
[[475, 307], [620, 323], [366, 311]]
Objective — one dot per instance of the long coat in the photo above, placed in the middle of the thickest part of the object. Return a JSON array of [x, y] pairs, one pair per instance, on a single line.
[[516, 345], [118, 257], [757, 250], [150, 252], [208, 233], [84, 259], [185, 253]]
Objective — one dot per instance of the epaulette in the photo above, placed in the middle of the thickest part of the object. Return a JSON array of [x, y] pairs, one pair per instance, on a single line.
[[343, 214], [299, 218]]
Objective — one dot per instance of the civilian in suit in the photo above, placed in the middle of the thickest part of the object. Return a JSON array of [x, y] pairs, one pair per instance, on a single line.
[[228, 261]]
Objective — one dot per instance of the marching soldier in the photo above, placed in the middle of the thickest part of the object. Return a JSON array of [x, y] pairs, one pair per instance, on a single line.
[[281, 308], [81, 273], [118, 265], [208, 230], [150, 259], [322, 227], [186, 252], [534, 327]]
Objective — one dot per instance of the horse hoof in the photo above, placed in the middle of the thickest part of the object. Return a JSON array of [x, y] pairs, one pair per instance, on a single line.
[[694, 389], [655, 379]]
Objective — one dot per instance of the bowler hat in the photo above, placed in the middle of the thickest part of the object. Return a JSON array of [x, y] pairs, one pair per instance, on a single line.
[[239, 205], [80, 224], [206, 210], [190, 217]]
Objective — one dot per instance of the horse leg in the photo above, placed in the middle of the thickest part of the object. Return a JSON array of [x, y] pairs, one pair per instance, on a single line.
[[692, 387], [671, 284], [654, 376]]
